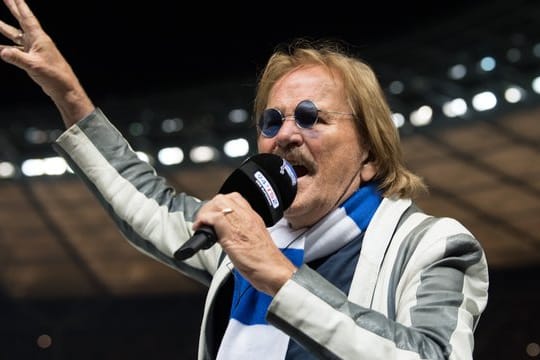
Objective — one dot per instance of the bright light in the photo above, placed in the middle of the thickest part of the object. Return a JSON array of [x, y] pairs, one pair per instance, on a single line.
[[454, 108], [44, 341], [236, 147], [422, 116], [54, 165], [484, 101], [7, 170], [514, 94], [533, 349], [202, 154], [48, 166], [536, 84], [143, 156], [398, 119], [33, 167], [170, 156], [488, 63]]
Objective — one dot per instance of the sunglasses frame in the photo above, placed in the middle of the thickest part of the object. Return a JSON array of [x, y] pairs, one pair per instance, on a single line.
[[295, 116]]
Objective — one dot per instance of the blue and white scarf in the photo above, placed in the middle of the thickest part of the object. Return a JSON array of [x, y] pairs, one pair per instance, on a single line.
[[248, 335]]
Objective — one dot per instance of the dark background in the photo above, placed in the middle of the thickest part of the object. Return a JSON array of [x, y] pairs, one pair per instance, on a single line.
[[163, 45], [129, 49]]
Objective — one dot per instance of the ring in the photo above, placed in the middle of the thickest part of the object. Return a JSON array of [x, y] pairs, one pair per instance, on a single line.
[[19, 39], [227, 211]]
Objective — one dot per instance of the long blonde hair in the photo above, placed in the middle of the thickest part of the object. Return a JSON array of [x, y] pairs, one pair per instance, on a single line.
[[366, 99]]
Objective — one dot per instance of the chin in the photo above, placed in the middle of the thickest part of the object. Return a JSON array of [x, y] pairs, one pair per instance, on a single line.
[[299, 214]]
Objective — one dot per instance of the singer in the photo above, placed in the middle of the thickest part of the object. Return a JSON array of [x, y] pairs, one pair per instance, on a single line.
[[353, 269]]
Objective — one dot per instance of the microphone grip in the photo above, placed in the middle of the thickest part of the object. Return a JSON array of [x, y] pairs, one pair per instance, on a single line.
[[203, 238]]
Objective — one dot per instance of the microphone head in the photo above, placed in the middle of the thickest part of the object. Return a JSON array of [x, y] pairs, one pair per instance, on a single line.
[[268, 182]]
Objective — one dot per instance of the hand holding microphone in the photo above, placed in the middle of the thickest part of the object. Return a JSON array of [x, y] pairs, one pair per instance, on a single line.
[[266, 181]]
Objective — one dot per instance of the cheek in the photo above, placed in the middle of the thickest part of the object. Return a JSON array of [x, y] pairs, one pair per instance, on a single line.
[[264, 145], [338, 165], [331, 171]]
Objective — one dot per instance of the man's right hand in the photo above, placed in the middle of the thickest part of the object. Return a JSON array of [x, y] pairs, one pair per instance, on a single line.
[[36, 53]]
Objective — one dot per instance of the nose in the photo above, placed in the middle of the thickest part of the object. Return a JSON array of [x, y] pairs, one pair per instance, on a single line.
[[289, 133]]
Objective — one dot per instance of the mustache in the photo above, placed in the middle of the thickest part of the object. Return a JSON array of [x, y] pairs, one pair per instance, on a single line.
[[297, 158]]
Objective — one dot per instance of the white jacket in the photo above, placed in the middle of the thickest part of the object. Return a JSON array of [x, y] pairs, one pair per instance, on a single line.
[[419, 288]]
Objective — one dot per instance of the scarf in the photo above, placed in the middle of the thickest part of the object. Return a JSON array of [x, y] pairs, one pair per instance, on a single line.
[[248, 335]]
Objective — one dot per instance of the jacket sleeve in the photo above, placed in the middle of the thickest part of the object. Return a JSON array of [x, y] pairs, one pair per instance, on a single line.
[[437, 290], [150, 214]]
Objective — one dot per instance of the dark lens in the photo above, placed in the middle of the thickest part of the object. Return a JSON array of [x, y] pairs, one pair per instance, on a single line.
[[306, 114], [270, 122]]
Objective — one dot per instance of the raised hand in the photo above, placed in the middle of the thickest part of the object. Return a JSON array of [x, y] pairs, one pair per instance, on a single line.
[[36, 53]]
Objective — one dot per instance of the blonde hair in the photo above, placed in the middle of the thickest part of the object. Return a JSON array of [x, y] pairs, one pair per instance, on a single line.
[[366, 99]]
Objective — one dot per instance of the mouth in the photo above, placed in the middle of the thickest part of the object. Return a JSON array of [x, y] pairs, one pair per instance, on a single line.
[[303, 165]]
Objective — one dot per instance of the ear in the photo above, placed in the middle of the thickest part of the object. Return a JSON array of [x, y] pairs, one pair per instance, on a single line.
[[368, 169]]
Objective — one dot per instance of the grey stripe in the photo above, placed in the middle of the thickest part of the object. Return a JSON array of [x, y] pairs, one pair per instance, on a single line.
[[403, 336], [445, 297], [139, 173], [405, 252], [433, 346], [370, 320], [367, 319], [126, 162], [434, 296]]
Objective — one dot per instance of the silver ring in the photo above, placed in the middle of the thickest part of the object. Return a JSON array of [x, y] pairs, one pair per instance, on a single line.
[[19, 39], [227, 211]]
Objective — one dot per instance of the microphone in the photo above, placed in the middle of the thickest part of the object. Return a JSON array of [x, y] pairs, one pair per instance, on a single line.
[[266, 181]]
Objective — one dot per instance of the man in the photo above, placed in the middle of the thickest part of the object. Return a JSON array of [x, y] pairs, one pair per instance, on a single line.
[[353, 271]]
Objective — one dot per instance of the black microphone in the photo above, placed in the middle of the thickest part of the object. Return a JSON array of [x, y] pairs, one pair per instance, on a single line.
[[266, 181]]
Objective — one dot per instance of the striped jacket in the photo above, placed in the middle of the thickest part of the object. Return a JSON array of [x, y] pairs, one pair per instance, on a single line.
[[418, 290]]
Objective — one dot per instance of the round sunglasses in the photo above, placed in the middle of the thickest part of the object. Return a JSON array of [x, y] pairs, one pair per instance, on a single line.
[[305, 116]]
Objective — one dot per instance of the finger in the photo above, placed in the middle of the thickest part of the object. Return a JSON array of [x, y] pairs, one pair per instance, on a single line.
[[206, 218], [11, 32], [13, 55], [26, 17], [13, 8], [21, 48], [214, 210]]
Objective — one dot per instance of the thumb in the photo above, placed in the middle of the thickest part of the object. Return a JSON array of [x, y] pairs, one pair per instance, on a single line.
[[12, 56]]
